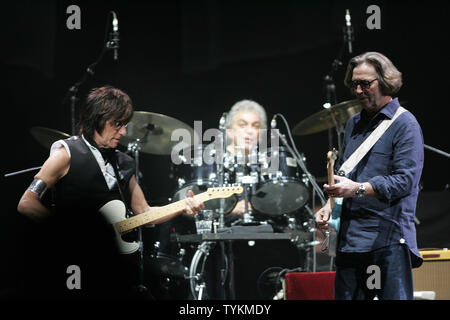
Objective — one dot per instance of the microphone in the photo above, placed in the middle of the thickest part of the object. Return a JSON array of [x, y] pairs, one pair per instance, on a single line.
[[114, 36], [273, 123], [348, 31]]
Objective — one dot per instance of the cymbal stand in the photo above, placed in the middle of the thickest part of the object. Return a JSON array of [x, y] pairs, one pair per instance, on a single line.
[[222, 179], [220, 168], [247, 181], [135, 147], [252, 178]]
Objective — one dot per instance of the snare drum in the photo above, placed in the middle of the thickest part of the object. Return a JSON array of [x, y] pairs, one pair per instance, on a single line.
[[280, 189], [198, 175]]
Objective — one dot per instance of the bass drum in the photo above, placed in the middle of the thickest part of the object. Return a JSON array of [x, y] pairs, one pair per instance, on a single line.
[[280, 189], [196, 174], [166, 262]]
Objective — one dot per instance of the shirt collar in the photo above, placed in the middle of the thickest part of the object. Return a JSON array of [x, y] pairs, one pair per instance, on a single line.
[[88, 144], [388, 110]]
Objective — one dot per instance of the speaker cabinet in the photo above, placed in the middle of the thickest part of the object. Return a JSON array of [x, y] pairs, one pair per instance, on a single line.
[[434, 273]]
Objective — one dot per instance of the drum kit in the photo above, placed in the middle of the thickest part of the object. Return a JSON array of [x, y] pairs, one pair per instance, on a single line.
[[271, 198]]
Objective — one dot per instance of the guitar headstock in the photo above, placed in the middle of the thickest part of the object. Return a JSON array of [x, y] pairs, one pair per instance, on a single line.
[[332, 156], [224, 192]]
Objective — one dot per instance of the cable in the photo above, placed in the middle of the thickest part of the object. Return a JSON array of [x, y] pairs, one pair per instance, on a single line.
[[259, 281], [300, 159]]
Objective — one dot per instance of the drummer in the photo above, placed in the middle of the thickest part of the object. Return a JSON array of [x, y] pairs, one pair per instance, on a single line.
[[244, 123]]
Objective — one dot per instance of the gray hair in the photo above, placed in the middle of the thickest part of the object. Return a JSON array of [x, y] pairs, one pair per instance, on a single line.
[[246, 105], [389, 78]]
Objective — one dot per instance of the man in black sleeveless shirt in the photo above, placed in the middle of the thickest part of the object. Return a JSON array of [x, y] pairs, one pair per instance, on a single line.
[[86, 172]]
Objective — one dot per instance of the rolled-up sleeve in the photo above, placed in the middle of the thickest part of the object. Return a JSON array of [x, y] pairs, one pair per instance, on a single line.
[[407, 162]]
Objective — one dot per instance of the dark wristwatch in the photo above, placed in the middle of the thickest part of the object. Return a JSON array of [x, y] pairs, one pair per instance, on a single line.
[[361, 192]]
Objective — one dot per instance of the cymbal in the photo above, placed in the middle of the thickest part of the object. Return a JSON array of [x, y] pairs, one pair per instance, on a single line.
[[154, 132], [46, 136], [323, 119]]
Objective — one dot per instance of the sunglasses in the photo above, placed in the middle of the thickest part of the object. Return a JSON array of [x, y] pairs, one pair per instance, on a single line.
[[364, 84]]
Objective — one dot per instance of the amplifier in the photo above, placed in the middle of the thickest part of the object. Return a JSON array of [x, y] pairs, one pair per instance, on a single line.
[[434, 274]]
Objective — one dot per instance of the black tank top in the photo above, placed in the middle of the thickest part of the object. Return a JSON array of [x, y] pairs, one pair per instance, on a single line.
[[84, 187]]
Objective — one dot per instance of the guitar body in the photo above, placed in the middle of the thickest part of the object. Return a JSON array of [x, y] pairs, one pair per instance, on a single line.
[[115, 211], [335, 220], [333, 226]]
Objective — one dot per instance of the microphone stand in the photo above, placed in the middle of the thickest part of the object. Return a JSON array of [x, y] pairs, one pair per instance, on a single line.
[[330, 87], [330, 92], [299, 159], [135, 147], [71, 94], [330, 96], [221, 180]]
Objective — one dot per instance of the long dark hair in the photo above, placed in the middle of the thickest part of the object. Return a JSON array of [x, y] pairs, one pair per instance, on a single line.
[[103, 104]]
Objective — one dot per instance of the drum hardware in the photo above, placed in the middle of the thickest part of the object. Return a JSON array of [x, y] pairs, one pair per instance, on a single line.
[[298, 158], [181, 254], [207, 243], [21, 171], [315, 187], [135, 147], [442, 153], [280, 189], [292, 223], [167, 265], [196, 279], [149, 132], [309, 244], [246, 174], [335, 115], [198, 176], [154, 131]]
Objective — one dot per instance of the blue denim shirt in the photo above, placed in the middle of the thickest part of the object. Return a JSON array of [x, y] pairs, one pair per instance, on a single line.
[[393, 167]]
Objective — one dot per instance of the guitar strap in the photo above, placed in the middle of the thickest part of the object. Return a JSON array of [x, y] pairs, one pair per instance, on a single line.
[[362, 150], [114, 164]]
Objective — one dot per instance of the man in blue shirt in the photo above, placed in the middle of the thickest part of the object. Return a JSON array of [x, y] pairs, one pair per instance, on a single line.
[[377, 233]]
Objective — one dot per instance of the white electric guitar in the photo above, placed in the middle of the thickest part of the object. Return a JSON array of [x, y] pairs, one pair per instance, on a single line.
[[115, 213]]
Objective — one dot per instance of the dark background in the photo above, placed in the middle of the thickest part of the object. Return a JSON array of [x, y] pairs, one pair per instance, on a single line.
[[192, 60]]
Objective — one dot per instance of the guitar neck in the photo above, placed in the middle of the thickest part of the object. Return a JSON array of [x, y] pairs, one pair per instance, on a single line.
[[155, 214], [331, 181]]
